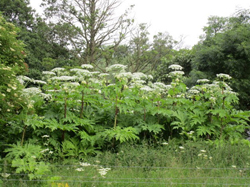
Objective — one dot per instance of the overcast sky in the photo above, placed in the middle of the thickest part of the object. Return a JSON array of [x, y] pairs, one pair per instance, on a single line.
[[178, 17]]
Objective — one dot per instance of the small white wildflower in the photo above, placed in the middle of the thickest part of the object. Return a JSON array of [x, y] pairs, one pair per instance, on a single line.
[[103, 171], [45, 136], [87, 66], [199, 154], [79, 169], [233, 166], [210, 158], [5, 175], [175, 67], [203, 151], [191, 132], [50, 152], [181, 147], [8, 90], [164, 143], [45, 150], [84, 164], [33, 156]]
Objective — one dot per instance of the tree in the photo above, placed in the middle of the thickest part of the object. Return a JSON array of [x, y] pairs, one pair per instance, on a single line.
[[93, 23], [38, 36], [225, 49], [18, 12], [11, 64]]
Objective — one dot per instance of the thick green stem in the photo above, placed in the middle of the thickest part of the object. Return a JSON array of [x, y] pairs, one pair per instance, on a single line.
[[82, 105], [158, 107], [116, 112], [23, 135], [65, 116]]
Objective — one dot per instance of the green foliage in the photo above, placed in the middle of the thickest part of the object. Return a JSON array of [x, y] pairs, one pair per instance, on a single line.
[[120, 134], [26, 160]]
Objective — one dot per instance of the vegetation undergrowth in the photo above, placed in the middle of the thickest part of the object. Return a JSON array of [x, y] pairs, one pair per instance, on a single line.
[[171, 163]]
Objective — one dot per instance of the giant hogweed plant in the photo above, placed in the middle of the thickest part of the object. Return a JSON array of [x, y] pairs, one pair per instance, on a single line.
[[84, 111]]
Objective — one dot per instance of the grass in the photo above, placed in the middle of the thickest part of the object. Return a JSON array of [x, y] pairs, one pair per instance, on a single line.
[[175, 164]]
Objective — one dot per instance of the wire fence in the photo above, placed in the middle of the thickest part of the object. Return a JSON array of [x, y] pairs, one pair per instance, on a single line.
[[90, 175]]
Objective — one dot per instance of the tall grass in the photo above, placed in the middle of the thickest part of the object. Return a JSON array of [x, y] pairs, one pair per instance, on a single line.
[[172, 164]]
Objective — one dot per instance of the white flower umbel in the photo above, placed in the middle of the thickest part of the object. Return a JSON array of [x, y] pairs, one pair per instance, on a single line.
[[194, 91], [202, 81], [161, 87], [139, 75], [95, 72], [87, 66], [176, 74], [94, 80], [116, 67], [57, 70], [48, 73], [82, 73], [150, 77], [64, 78], [146, 88], [38, 82], [31, 91], [45, 136], [124, 75], [22, 79], [137, 83], [223, 76], [175, 67]]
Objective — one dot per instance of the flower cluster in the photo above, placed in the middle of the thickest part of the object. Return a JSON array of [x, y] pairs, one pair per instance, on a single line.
[[57, 70], [116, 67], [174, 74], [223, 76], [202, 81], [64, 78], [175, 67], [103, 171], [87, 66], [48, 73]]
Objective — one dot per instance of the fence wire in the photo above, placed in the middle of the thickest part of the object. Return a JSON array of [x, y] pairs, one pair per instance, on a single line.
[[140, 176]]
